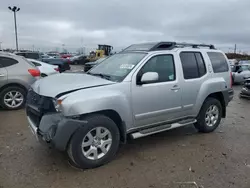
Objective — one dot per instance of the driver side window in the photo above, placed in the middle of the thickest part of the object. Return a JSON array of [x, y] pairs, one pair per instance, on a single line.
[[161, 64]]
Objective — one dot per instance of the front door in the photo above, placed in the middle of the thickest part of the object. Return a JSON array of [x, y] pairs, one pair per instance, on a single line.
[[160, 101]]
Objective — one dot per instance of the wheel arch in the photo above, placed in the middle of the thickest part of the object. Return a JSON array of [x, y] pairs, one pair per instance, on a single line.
[[112, 114], [220, 97], [13, 85]]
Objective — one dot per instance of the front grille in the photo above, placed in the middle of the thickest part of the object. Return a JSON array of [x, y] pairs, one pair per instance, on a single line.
[[37, 106], [33, 98]]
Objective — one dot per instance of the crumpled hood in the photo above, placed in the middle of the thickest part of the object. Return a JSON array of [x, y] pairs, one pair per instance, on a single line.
[[54, 85]]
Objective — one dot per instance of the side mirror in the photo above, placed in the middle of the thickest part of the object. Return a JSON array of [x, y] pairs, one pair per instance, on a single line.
[[149, 77]]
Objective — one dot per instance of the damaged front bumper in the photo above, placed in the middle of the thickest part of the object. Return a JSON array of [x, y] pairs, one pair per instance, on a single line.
[[245, 92], [54, 129]]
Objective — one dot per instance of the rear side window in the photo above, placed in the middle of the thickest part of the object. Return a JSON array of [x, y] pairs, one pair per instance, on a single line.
[[36, 64], [6, 61], [218, 61], [193, 65]]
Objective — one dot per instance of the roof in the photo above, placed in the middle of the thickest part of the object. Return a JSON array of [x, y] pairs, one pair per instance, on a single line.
[[156, 46]]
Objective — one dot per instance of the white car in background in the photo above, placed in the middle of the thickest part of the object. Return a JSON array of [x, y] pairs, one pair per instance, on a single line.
[[45, 68], [240, 73]]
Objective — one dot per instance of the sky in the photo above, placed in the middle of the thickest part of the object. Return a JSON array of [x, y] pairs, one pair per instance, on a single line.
[[71, 24]]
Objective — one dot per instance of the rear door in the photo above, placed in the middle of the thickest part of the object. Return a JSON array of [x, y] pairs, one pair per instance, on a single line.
[[7, 68], [194, 74], [3, 75]]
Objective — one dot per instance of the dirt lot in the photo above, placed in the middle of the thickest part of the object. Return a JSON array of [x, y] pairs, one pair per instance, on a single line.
[[216, 160]]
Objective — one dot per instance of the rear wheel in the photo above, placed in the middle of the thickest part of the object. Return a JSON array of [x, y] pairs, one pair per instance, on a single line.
[[12, 98], [94, 144], [210, 116]]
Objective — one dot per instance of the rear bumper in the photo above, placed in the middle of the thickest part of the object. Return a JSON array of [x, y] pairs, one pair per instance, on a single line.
[[230, 94]]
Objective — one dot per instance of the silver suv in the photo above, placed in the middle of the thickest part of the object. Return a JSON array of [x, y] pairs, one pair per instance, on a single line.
[[16, 76], [145, 89]]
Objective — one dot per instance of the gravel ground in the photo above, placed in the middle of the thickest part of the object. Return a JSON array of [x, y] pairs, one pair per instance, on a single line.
[[216, 160]]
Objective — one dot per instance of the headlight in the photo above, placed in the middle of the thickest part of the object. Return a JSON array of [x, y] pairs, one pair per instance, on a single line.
[[58, 104]]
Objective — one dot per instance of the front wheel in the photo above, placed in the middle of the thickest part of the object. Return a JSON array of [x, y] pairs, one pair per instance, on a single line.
[[210, 116], [95, 143]]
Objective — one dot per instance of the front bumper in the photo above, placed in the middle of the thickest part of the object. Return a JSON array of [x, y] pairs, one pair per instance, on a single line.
[[54, 129], [245, 92]]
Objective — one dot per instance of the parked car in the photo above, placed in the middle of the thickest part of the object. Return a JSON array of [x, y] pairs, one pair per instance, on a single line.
[[145, 89], [45, 56], [63, 64], [16, 76], [78, 60], [240, 72], [45, 68], [66, 56], [90, 65], [54, 55], [30, 55], [243, 62], [245, 91]]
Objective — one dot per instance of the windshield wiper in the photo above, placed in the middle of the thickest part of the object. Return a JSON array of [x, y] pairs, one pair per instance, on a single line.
[[105, 76]]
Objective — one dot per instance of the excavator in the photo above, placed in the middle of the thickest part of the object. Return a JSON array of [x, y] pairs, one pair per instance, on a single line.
[[102, 51]]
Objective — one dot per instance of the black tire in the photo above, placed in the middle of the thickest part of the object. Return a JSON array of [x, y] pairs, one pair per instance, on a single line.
[[201, 125], [9, 89], [75, 149]]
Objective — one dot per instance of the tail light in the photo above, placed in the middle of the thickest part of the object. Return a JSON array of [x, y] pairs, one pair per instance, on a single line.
[[231, 80], [56, 69], [34, 72]]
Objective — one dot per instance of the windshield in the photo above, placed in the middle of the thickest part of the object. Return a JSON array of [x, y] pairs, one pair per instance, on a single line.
[[244, 67], [117, 66]]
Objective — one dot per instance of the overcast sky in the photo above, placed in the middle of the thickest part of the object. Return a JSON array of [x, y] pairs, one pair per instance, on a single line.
[[48, 24]]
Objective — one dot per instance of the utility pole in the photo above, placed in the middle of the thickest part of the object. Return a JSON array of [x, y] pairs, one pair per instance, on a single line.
[[15, 9], [235, 48]]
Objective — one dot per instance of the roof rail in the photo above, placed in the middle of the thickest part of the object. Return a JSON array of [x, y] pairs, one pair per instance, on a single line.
[[210, 46], [153, 46]]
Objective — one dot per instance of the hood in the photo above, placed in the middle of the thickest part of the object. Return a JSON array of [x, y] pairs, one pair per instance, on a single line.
[[54, 85]]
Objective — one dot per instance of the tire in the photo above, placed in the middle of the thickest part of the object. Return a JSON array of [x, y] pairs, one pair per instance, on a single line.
[[75, 151], [13, 89], [202, 125]]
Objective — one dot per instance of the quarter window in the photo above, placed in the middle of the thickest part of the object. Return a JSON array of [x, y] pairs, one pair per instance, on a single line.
[[163, 65], [6, 62], [219, 62]]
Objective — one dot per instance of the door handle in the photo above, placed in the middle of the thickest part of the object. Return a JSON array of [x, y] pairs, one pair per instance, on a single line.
[[175, 88]]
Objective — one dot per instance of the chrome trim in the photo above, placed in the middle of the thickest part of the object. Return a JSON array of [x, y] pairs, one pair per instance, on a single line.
[[173, 126], [161, 122], [156, 113], [32, 127]]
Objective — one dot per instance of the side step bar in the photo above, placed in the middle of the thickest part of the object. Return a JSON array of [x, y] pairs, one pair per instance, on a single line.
[[159, 129]]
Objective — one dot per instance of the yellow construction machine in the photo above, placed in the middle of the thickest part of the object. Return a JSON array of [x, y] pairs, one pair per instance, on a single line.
[[102, 51]]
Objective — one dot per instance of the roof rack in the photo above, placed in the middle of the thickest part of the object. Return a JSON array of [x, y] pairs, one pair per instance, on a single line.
[[153, 46], [210, 46]]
